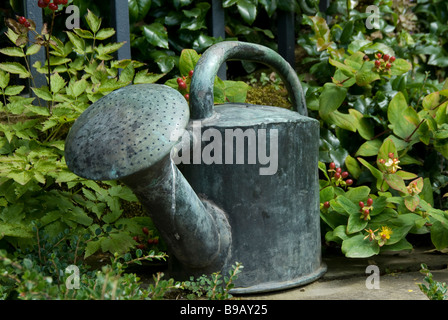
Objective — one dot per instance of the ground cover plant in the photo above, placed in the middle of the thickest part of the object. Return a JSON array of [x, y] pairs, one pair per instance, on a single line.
[[380, 94]]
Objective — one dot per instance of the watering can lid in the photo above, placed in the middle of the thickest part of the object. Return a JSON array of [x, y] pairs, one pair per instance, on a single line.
[[126, 131]]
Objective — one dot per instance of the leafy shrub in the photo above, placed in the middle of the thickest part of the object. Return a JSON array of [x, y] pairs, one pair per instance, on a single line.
[[434, 290], [35, 184], [379, 112]]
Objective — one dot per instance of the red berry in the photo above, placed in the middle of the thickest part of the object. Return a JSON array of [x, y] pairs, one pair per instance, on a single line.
[[392, 59], [369, 201], [47, 1], [379, 55], [386, 57], [391, 155], [349, 182], [182, 85], [141, 246], [150, 241], [41, 4], [64, 2], [344, 174], [22, 20], [337, 175], [327, 204], [145, 230], [57, 1], [338, 170], [27, 24], [361, 204], [187, 96], [179, 80], [190, 74], [135, 238], [155, 241], [388, 65], [332, 165], [53, 6], [377, 63]]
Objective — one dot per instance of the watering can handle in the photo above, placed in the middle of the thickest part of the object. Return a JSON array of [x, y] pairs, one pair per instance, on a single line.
[[201, 89]]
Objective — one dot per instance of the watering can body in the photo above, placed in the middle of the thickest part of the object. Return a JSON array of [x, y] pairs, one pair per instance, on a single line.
[[272, 206], [259, 165], [223, 184]]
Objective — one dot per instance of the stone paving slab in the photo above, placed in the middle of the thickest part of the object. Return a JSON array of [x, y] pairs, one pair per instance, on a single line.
[[346, 278]]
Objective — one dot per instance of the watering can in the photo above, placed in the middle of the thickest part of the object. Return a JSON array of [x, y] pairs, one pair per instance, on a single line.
[[223, 184]]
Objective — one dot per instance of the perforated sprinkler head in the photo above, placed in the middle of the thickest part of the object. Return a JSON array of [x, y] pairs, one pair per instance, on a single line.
[[126, 131]]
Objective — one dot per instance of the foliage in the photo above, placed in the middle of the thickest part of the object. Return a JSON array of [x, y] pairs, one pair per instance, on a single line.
[[160, 30], [48, 270], [435, 290], [35, 183], [223, 90], [379, 113], [212, 286]]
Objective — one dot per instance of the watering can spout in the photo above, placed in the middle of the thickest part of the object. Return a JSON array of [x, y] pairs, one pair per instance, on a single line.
[[195, 230], [124, 137]]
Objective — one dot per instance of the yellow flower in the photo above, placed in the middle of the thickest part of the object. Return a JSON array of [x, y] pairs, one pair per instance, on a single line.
[[385, 233]]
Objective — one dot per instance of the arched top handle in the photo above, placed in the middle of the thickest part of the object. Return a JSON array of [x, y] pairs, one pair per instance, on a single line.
[[201, 89]]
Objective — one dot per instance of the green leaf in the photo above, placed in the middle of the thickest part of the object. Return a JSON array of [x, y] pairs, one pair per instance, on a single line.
[[143, 76], [236, 91], [4, 79], [12, 52], [403, 119], [352, 166], [326, 194], [343, 120], [86, 34], [117, 242], [79, 44], [156, 34], [33, 49], [400, 66], [439, 235], [187, 61], [14, 90], [366, 75], [43, 93], [358, 194], [331, 98], [92, 247], [376, 173], [93, 21], [247, 10], [105, 33], [345, 69], [76, 88], [356, 223], [395, 182], [57, 82], [358, 247], [138, 9], [348, 205], [15, 68]]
